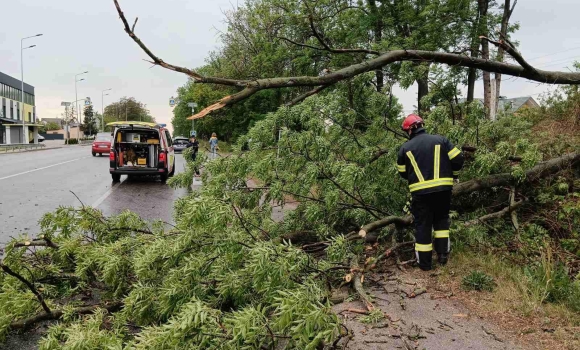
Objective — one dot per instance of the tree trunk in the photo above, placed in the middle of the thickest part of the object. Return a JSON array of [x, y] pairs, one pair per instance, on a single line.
[[378, 37], [483, 6], [423, 90], [507, 13], [472, 75]]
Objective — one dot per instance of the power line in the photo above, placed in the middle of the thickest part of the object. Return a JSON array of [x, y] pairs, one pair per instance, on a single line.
[[555, 53]]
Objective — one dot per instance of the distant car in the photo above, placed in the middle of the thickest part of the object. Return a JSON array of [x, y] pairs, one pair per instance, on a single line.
[[102, 144], [40, 139], [180, 144]]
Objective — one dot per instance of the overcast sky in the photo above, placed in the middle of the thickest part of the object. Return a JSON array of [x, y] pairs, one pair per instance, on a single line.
[[82, 35]]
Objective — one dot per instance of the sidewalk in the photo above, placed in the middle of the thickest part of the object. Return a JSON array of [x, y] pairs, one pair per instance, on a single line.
[[47, 144]]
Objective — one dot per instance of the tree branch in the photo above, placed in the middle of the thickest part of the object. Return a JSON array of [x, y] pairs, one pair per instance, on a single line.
[[252, 86], [327, 47], [28, 284], [509, 209], [57, 314], [160, 62], [44, 242], [541, 170], [305, 95]]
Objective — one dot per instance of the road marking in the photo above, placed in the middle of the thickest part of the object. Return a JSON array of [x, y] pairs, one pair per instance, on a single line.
[[46, 167], [106, 194]]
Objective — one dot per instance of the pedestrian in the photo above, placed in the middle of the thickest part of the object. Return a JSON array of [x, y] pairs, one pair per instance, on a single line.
[[213, 144], [194, 145], [430, 163]]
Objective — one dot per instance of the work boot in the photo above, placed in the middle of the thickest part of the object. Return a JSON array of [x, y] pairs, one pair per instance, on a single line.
[[425, 267], [442, 258]]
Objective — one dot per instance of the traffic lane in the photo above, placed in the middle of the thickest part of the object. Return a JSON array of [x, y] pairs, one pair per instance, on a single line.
[[144, 195], [14, 164], [27, 196]]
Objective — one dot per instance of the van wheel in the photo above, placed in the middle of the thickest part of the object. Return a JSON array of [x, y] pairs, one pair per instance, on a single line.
[[116, 177], [94, 154], [100, 154]]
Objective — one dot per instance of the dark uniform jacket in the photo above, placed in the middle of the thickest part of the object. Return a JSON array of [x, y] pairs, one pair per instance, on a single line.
[[429, 163], [195, 148]]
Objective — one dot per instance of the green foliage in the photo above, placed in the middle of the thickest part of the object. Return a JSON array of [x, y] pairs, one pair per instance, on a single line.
[[373, 317], [127, 108], [89, 126], [479, 281]]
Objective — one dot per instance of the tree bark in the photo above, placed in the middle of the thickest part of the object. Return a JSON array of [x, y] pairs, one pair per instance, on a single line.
[[483, 6]]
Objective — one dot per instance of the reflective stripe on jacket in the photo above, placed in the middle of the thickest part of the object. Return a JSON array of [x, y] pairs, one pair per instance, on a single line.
[[429, 163]]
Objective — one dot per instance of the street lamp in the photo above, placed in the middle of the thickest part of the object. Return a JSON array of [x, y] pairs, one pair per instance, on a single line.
[[103, 107], [24, 133], [76, 95]]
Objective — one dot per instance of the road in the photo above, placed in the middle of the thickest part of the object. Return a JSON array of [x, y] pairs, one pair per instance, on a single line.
[[33, 183]]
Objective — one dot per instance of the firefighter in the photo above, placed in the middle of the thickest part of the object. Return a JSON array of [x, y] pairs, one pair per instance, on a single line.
[[430, 163]]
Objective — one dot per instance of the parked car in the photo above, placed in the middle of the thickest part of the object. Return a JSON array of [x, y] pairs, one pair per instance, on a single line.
[[180, 143], [102, 144], [141, 148], [40, 139]]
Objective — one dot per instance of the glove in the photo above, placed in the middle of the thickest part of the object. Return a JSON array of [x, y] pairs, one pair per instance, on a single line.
[[456, 181]]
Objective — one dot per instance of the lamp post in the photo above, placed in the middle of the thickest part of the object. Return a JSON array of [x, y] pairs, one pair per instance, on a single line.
[[24, 133], [76, 95], [192, 105], [103, 107]]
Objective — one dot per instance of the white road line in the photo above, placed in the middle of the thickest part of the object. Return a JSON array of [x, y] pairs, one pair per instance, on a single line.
[[37, 169], [105, 195]]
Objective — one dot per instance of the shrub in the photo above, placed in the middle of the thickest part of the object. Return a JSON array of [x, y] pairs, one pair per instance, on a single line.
[[479, 281]]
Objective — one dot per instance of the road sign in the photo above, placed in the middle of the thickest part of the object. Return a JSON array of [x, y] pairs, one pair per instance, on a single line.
[[88, 101], [193, 133], [171, 102], [192, 104]]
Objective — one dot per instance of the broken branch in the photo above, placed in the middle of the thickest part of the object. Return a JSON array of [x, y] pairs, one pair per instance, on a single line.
[[28, 284], [57, 314]]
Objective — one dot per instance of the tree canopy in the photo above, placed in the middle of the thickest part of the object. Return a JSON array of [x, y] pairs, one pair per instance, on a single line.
[[127, 108]]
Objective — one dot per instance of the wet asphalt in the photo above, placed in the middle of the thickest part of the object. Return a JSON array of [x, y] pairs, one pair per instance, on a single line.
[[33, 183]]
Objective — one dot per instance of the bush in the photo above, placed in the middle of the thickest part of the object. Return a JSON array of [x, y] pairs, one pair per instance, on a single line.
[[479, 281], [71, 142]]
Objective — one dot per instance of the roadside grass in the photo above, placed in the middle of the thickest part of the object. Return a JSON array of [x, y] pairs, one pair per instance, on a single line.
[[519, 299], [224, 147]]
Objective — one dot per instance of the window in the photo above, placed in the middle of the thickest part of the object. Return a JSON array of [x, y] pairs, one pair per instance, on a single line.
[[168, 137], [4, 112], [29, 116]]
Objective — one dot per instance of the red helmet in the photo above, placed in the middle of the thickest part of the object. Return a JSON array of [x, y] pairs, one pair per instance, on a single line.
[[412, 119]]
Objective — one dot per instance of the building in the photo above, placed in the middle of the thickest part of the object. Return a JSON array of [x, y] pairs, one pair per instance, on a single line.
[[12, 111], [57, 121], [511, 105]]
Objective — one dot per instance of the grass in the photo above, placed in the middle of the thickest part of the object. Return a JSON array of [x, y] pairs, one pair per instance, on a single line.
[[479, 281], [519, 300]]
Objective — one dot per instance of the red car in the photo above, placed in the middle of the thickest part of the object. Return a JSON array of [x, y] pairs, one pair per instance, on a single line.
[[102, 144]]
